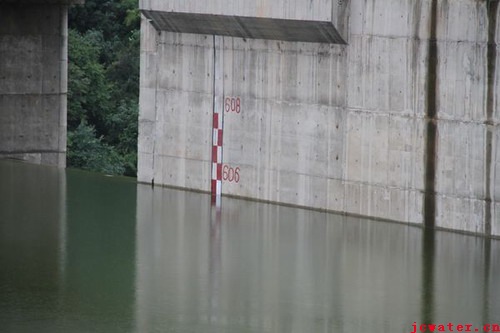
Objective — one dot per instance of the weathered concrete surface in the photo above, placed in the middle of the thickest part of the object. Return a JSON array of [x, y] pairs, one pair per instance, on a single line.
[[310, 10], [338, 127], [291, 20], [33, 80]]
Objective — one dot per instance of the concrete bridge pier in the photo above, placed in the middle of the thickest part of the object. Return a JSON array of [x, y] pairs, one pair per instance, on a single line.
[[33, 80], [380, 108]]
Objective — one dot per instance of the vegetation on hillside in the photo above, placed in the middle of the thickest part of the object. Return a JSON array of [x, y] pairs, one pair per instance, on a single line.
[[103, 86]]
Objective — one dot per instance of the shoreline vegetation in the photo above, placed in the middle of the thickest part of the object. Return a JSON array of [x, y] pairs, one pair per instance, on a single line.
[[103, 86]]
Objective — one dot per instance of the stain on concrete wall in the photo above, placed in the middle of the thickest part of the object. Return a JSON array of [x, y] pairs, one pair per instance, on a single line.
[[492, 8]]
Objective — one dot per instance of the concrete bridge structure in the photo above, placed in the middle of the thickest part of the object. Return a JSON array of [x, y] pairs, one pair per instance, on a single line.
[[380, 108], [33, 80]]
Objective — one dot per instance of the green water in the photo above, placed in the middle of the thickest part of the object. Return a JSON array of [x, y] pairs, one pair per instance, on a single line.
[[81, 252]]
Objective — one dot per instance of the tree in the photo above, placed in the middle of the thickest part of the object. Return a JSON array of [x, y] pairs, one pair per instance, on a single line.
[[86, 151], [89, 92], [103, 85]]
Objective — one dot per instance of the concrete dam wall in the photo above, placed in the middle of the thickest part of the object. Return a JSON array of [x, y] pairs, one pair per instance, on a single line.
[[380, 108], [33, 80]]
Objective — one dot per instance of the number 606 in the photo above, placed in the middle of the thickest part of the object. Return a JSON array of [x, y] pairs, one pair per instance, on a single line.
[[231, 174]]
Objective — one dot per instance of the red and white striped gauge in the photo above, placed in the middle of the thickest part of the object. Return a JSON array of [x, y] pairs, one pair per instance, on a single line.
[[217, 134], [221, 103]]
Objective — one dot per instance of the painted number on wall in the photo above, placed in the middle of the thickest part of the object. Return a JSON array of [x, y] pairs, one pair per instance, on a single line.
[[231, 174], [232, 104]]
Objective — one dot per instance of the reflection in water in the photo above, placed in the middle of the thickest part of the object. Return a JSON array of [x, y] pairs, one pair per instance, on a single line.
[[428, 258], [214, 271], [261, 268], [99, 289], [81, 252], [67, 247], [462, 284], [486, 281], [32, 239]]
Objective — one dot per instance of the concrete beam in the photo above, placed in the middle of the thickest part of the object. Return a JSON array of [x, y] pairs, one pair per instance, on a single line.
[[318, 21], [246, 27]]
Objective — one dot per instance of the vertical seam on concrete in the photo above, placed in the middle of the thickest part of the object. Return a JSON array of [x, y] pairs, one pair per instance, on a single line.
[[281, 113], [61, 56], [417, 13], [63, 86], [344, 130], [157, 65], [328, 127], [431, 124], [213, 73], [492, 9]]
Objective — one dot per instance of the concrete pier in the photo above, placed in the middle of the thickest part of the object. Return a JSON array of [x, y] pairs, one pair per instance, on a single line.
[[395, 119], [33, 80]]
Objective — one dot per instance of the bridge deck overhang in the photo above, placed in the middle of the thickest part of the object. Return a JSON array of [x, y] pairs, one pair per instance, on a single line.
[[317, 21], [246, 27]]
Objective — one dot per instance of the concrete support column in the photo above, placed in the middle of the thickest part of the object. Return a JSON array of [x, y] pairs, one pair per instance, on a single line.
[[33, 80]]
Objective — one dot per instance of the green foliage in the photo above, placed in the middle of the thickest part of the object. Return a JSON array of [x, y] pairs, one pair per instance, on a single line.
[[89, 92], [103, 85], [86, 151], [122, 133]]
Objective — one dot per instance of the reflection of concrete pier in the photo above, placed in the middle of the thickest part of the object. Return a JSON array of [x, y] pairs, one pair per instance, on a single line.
[[258, 267], [428, 272], [486, 281], [33, 241]]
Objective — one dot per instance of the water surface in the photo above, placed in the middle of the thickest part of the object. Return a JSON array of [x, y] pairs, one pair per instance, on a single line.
[[81, 252]]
